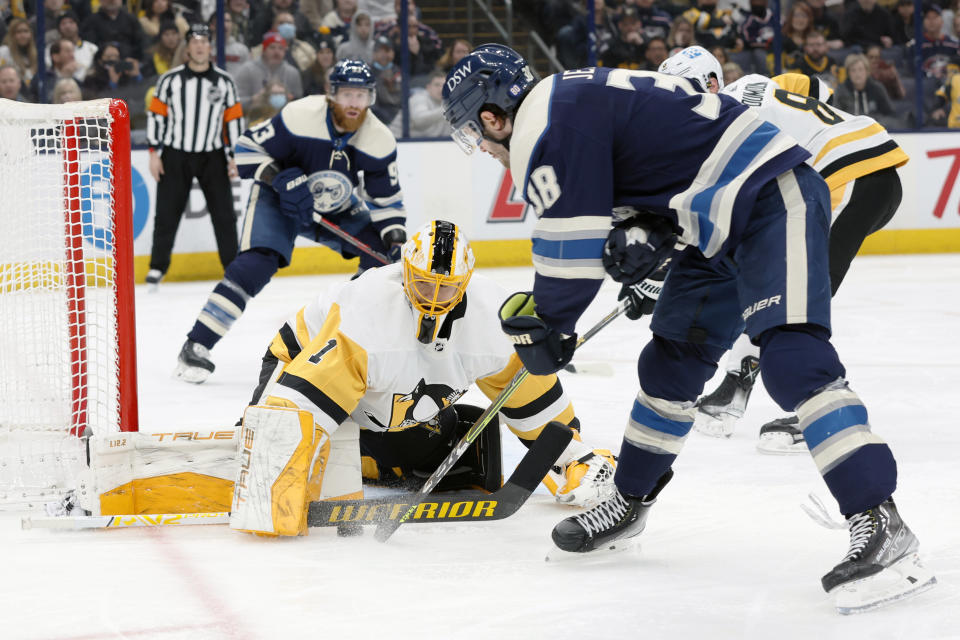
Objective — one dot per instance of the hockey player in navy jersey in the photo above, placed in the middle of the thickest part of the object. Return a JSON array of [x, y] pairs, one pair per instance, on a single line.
[[619, 167], [306, 163]]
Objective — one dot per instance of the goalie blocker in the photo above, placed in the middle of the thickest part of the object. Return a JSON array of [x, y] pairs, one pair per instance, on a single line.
[[286, 462]]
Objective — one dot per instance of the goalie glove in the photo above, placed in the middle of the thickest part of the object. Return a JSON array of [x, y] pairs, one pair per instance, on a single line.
[[643, 295], [293, 191], [541, 349], [637, 247]]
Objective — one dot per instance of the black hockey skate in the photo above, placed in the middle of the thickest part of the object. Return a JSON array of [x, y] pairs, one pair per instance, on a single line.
[[882, 565], [782, 436], [616, 518], [194, 363], [154, 276], [718, 412]]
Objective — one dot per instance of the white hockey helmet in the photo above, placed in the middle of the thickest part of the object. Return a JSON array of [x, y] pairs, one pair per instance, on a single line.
[[437, 265], [694, 63]]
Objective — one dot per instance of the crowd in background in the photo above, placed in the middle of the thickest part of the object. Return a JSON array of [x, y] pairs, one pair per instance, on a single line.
[[280, 50]]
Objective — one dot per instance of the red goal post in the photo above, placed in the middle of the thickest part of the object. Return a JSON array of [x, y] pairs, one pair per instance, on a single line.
[[67, 330]]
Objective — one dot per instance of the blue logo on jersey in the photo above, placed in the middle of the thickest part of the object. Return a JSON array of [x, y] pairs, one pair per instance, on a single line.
[[331, 190]]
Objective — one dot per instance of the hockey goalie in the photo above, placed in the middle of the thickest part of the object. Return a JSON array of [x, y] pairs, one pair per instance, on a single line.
[[376, 367]]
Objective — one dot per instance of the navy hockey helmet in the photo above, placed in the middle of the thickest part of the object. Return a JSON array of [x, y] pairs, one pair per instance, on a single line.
[[490, 74], [349, 73], [198, 31]]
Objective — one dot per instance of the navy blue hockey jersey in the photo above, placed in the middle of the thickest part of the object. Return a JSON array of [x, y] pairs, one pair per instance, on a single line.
[[302, 135], [589, 141]]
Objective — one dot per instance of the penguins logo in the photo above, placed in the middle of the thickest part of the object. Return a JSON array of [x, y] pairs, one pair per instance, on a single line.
[[419, 406], [330, 189]]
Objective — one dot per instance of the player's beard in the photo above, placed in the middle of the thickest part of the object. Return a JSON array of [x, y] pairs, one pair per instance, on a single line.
[[343, 122]]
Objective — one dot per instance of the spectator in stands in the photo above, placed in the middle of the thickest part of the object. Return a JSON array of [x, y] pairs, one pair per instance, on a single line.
[[300, 53], [359, 46], [68, 28], [113, 23], [885, 73], [626, 49], [681, 35], [825, 23], [457, 50], [267, 103], [242, 16], [66, 90], [947, 106], [549, 16], [571, 40], [731, 72], [235, 53], [903, 22], [10, 83], [713, 27], [315, 11], [865, 23], [426, 112], [162, 56], [756, 32], [338, 20], [264, 17], [798, 24], [655, 53], [949, 13], [112, 74], [315, 78], [423, 42], [157, 13], [860, 94], [253, 77], [382, 25], [656, 21], [936, 49], [19, 49], [62, 66], [51, 9], [815, 61], [389, 95]]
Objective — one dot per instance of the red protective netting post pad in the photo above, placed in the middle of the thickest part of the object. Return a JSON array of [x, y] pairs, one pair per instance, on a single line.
[[67, 341]]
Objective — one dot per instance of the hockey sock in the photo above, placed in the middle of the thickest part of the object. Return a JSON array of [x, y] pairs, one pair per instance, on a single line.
[[796, 361], [244, 278]]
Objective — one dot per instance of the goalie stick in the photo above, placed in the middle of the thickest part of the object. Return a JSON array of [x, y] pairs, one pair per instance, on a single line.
[[386, 528], [461, 506]]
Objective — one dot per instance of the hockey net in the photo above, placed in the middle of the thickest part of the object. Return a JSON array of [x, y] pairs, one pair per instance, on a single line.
[[67, 343]]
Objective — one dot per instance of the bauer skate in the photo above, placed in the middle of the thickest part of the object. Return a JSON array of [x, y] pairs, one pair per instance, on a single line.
[[781, 436], [618, 518], [882, 565], [586, 481], [718, 412], [194, 364]]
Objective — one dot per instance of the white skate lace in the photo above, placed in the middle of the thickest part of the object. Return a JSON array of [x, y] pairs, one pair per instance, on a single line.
[[604, 515], [819, 514], [862, 526]]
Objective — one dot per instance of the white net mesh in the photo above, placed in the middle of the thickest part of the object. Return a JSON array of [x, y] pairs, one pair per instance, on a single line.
[[58, 295]]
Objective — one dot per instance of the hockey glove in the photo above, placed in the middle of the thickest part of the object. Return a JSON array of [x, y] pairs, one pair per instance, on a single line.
[[293, 191], [542, 350], [643, 295], [393, 240], [636, 248]]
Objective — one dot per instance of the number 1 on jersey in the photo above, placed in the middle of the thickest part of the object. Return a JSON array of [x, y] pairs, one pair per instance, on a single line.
[[318, 356]]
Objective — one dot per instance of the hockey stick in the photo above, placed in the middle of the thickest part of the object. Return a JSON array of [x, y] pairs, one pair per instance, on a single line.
[[356, 242], [461, 506], [387, 527]]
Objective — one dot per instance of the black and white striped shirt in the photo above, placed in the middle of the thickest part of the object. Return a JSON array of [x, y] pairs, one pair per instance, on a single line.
[[194, 112]]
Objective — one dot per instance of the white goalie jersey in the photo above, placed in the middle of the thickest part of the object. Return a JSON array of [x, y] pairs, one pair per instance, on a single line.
[[353, 353], [843, 147]]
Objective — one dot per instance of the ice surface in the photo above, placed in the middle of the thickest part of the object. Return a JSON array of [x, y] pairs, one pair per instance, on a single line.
[[728, 553]]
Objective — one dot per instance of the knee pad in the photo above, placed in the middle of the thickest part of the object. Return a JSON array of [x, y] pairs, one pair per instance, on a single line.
[[251, 270], [796, 361], [674, 370]]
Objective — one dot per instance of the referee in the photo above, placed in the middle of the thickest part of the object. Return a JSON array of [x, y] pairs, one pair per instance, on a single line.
[[193, 123]]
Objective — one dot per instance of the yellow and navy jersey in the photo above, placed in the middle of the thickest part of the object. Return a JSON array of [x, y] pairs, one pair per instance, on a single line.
[[353, 353], [843, 147], [950, 92]]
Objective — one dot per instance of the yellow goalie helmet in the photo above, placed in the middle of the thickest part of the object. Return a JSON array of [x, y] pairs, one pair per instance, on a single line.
[[437, 265]]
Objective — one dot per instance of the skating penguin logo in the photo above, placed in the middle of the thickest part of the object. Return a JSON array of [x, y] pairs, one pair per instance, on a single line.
[[419, 406]]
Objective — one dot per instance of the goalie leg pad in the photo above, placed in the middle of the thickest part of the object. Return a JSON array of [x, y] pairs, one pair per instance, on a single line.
[[278, 447]]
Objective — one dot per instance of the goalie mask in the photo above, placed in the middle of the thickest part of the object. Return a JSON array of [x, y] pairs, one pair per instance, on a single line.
[[437, 265]]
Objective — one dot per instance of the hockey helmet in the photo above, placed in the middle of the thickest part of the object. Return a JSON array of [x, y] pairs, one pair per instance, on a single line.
[[490, 74], [198, 30], [696, 64], [437, 265], [353, 73]]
